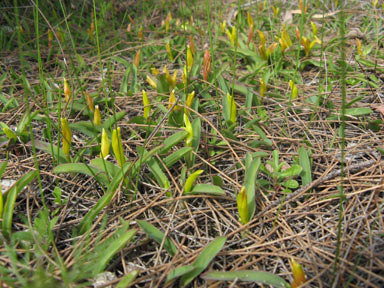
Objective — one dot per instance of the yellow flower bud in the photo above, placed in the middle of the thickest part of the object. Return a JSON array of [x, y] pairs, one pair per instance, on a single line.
[[147, 105], [151, 82], [189, 101], [206, 65], [67, 91], [275, 11], [242, 206], [188, 127], [89, 101], [172, 101], [232, 36], [136, 60], [263, 88], [190, 180], [189, 58], [299, 277], [294, 91], [97, 116], [314, 29], [105, 146], [169, 51], [67, 136], [117, 146], [262, 37], [140, 34], [232, 108], [249, 19], [155, 71]]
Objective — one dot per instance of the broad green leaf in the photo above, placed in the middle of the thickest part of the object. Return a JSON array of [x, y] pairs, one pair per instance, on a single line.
[[112, 188], [260, 277], [114, 246], [206, 189], [262, 135], [127, 279], [358, 111], [292, 171], [203, 260], [82, 169], [158, 173], [86, 127], [250, 178], [158, 236], [11, 200], [46, 147], [180, 271], [306, 174], [172, 141], [176, 156], [107, 124], [101, 165]]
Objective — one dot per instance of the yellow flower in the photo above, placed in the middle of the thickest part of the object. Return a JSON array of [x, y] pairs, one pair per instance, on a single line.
[[232, 36], [97, 116], [136, 60], [294, 91], [189, 129], [189, 101], [263, 88], [67, 136], [172, 101], [89, 101], [314, 29], [105, 146], [242, 206], [262, 37], [147, 105], [155, 71], [117, 146], [299, 277], [169, 51], [249, 19], [275, 11], [151, 82], [67, 91], [189, 58]]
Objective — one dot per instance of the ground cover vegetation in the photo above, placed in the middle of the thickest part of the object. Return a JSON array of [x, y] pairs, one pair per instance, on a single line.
[[191, 143]]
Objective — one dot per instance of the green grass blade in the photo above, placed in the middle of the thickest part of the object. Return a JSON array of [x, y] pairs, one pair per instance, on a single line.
[[158, 173], [158, 236], [180, 271], [172, 140], [11, 200], [203, 260], [260, 277]]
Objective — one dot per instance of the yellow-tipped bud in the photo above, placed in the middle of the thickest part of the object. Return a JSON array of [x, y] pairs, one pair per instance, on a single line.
[[294, 91], [232, 36], [314, 29], [189, 58], [167, 21], [67, 91], [242, 206], [140, 34], [67, 136], [359, 50], [275, 11], [188, 127], [189, 101], [151, 82], [263, 88], [117, 146], [89, 101], [262, 37], [155, 71], [172, 101], [299, 277], [190, 180], [97, 116], [249, 19], [91, 30], [222, 26], [105, 146], [169, 51], [374, 3], [136, 60], [184, 76], [147, 105]]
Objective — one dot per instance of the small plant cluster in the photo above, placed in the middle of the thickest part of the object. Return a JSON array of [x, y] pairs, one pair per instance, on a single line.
[[189, 93]]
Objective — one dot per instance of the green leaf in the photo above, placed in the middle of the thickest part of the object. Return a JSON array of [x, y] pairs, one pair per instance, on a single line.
[[158, 173], [82, 169], [114, 246], [127, 279], [206, 189], [262, 135], [306, 174], [11, 200], [124, 82], [179, 271], [158, 236], [203, 260], [172, 141], [250, 178], [107, 124], [292, 171], [8, 131], [176, 156], [3, 166], [381, 150], [260, 277], [358, 111], [46, 147]]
